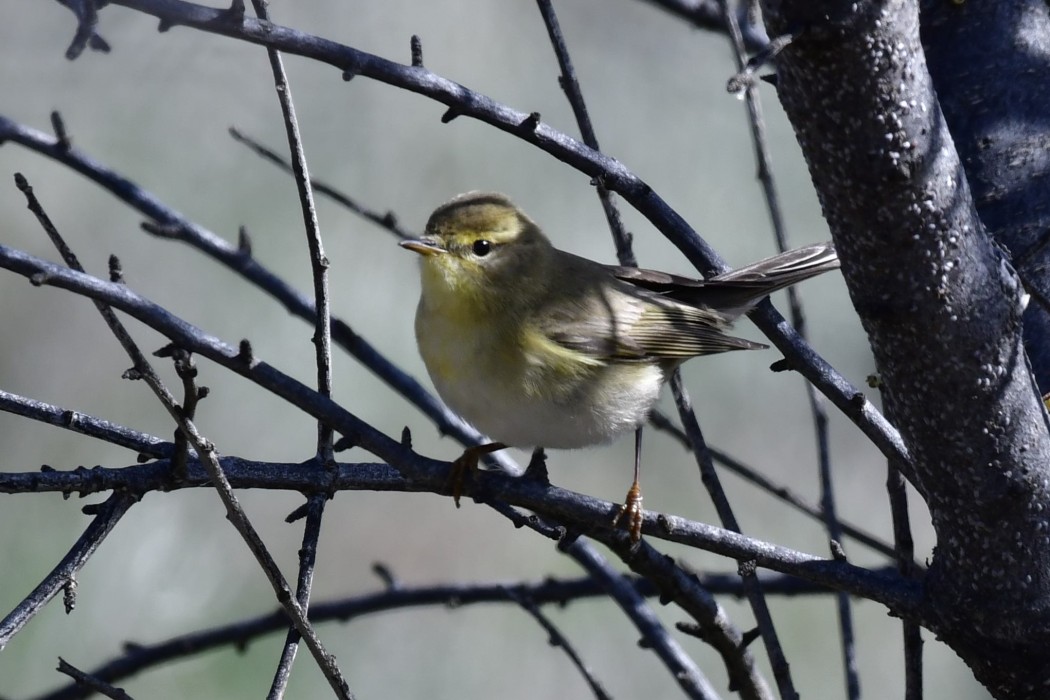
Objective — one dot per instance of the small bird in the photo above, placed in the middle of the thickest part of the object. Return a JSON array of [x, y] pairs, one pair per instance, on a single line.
[[538, 347]]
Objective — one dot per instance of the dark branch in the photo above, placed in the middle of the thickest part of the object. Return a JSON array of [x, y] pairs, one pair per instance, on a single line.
[[64, 574]]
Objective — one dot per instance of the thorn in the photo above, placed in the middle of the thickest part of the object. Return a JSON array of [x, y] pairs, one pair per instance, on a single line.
[[244, 352], [417, 51], [235, 12], [168, 350], [298, 514], [69, 595], [530, 123], [116, 271], [450, 114], [386, 575], [537, 469], [749, 636], [63, 141], [244, 242]]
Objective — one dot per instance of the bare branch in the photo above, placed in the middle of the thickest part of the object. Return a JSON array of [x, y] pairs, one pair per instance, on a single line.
[[689, 677], [64, 574], [748, 573], [90, 682], [571, 86], [816, 403], [557, 639], [235, 514], [323, 346], [84, 424]]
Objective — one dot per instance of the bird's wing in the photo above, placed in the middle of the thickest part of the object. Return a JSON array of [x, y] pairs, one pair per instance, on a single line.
[[622, 323]]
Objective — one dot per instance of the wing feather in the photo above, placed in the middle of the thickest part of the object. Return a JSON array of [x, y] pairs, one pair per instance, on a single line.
[[624, 323]]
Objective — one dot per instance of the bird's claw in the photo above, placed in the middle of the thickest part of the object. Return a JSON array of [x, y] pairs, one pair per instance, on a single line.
[[631, 513], [467, 463]]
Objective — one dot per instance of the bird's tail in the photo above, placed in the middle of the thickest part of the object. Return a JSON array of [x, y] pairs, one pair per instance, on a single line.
[[740, 289]]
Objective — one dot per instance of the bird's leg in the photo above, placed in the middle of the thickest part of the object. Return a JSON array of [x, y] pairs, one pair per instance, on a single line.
[[468, 462], [631, 510]]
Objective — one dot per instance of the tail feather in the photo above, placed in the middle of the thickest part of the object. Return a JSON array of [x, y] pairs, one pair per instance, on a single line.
[[737, 291]]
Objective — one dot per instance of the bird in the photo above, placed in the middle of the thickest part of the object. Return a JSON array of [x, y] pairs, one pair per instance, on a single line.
[[541, 348]]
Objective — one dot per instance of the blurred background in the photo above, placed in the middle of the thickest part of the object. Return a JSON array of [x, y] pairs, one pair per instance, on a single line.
[[157, 110]]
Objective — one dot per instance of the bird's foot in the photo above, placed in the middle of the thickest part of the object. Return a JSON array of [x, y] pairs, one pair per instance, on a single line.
[[468, 463], [631, 512]]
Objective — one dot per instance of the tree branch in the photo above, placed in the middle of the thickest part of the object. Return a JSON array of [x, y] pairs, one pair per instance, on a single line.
[[63, 576]]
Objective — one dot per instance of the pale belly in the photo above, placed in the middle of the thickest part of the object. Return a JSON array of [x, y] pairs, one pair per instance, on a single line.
[[512, 402]]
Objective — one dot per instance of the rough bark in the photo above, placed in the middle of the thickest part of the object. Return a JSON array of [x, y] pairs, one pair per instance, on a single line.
[[942, 307]]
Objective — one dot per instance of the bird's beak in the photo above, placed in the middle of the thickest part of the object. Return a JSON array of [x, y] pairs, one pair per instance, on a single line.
[[423, 246]]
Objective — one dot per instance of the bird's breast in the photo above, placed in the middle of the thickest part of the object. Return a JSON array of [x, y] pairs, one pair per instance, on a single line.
[[524, 391]]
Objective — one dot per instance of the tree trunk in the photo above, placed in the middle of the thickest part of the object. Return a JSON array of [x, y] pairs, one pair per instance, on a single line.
[[939, 299]]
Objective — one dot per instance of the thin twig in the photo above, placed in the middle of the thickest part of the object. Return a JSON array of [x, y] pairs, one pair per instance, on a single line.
[[816, 402], [304, 584], [897, 491], [63, 576], [679, 586], [661, 422], [85, 425], [387, 220], [86, 12], [318, 261], [725, 638], [323, 354], [707, 14], [94, 684], [557, 639], [571, 86], [142, 369], [138, 657], [685, 671], [755, 596]]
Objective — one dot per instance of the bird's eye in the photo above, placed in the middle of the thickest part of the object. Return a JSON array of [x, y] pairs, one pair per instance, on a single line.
[[481, 247]]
